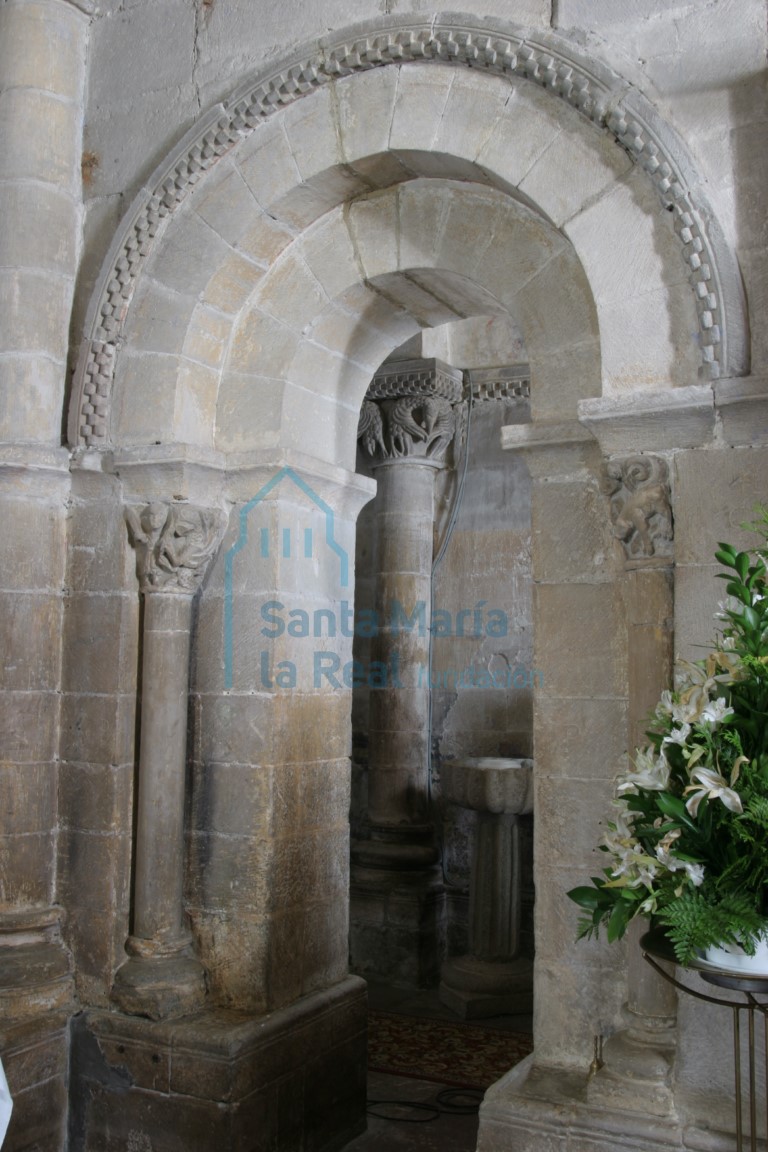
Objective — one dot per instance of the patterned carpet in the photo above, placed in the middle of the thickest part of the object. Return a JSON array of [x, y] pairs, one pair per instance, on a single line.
[[461, 1055]]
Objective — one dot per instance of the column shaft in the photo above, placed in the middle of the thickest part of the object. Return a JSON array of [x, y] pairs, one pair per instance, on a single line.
[[399, 725], [160, 826]]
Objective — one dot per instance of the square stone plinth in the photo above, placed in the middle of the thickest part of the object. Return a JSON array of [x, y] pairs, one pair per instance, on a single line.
[[293, 1079]]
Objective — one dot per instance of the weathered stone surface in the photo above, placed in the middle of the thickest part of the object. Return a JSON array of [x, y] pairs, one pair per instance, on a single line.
[[287, 202]]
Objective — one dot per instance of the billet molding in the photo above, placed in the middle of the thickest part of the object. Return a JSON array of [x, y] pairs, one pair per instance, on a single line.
[[509, 382], [598, 94]]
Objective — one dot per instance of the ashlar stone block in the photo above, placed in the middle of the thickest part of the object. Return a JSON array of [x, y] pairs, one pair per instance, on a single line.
[[159, 318], [50, 154], [34, 313], [146, 398], [39, 213], [330, 256], [580, 642], [364, 107], [291, 293], [572, 531], [674, 358], [474, 104], [626, 245], [207, 337], [37, 378], [263, 345], [519, 137], [593, 161], [422, 94], [373, 226], [226, 203], [195, 403], [423, 216], [555, 308], [190, 249], [232, 283], [715, 492], [267, 164], [41, 48]]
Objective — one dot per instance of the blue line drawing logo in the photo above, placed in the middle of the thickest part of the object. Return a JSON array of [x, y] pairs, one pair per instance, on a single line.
[[285, 543]]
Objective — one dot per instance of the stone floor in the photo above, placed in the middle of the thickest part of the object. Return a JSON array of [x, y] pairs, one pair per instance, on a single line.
[[397, 1127]]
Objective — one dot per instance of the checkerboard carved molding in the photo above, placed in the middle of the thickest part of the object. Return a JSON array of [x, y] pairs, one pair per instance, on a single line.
[[510, 382], [641, 512], [174, 544], [545, 60]]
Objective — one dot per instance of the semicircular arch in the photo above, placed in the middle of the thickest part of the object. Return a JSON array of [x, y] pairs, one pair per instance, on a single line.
[[361, 129]]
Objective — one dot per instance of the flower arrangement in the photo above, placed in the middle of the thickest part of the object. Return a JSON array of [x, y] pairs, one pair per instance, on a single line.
[[688, 840]]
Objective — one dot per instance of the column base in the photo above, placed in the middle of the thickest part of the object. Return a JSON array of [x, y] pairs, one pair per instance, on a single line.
[[397, 925], [35, 966], [295, 1078], [535, 1107], [637, 1065], [36, 1002], [161, 982], [474, 988]]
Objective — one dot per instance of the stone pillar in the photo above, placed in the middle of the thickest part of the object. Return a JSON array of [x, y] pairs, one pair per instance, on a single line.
[[42, 83], [173, 545], [638, 1061], [408, 422]]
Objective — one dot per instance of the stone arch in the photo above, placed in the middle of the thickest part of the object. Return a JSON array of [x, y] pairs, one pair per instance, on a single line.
[[327, 149]]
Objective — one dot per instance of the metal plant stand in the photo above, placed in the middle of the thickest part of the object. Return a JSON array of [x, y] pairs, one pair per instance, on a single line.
[[657, 948]]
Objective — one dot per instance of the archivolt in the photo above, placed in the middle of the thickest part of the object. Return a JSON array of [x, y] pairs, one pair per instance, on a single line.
[[544, 59]]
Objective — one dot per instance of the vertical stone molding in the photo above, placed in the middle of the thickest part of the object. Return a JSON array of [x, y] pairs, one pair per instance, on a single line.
[[42, 83], [36, 984], [638, 1062], [174, 544]]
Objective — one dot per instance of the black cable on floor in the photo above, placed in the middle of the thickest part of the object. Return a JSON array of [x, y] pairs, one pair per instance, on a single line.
[[404, 1104], [448, 1102]]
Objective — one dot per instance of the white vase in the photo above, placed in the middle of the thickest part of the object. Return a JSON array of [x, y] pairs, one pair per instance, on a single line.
[[735, 959]]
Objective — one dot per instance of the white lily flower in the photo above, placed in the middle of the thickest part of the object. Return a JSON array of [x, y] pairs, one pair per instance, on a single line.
[[714, 787], [636, 868], [678, 735], [715, 711], [652, 773], [695, 873], [665, 705]]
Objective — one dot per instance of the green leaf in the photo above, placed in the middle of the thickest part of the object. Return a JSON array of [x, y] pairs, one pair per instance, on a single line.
[[620, 917], [674, 807], [741, 564], [589, 898], [750, 617], [725, 554]]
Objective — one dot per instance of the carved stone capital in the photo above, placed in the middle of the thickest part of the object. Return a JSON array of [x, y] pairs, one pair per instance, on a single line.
[[174, 544], [412, 411], [641, 514]]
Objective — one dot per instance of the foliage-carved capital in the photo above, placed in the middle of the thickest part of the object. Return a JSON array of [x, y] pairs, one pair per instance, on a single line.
[[174, 544]]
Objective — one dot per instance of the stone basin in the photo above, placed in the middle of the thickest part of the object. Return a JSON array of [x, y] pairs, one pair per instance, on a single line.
[[498, 784]]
